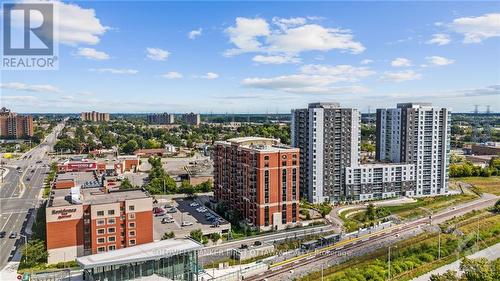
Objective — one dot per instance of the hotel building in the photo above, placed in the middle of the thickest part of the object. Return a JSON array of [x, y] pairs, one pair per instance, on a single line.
[[417, 134], [88, 221], [259, 177]]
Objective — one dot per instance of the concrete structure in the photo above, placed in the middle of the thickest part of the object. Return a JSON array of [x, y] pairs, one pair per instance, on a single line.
[[328, 137], [126, 163], [491, 148], [171, 259], [418, 134], [149, 152], [15, 126], [191, 118], [88, 221], [94, 116], [161, 118], [260, 178], [378, 181]]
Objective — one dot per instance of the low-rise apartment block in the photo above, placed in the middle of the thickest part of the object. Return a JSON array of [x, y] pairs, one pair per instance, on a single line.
[[260, 178]]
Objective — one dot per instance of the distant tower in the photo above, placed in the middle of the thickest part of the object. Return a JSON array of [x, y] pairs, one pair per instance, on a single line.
[[476, 109], [488, 109]]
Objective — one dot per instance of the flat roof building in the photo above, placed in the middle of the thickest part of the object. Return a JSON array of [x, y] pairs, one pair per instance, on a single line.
[[173, 259], [260, 178], [84, 221], [94, 116], [15, 126]]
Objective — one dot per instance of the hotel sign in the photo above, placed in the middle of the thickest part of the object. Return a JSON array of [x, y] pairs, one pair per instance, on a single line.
[[63, 213]]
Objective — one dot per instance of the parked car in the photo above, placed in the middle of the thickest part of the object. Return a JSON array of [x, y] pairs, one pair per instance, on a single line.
[[194, 204], [201, 209], [186, 223], [158, 210], [167, 220], [13, 235], [172, 210], [2, 234]]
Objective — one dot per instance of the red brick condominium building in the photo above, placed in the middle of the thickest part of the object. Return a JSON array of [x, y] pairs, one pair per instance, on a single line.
[[89, 221], [259, 177]]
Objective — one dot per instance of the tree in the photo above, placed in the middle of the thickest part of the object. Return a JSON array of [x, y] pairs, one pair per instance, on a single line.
[[449, 275], [125, 184], [34, 253], [496, 208], [477, 269], [168, 235], [130, 147], [196, 235], [214, 237]]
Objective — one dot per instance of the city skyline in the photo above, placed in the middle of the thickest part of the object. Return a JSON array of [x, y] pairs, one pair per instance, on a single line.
[[265, 57]]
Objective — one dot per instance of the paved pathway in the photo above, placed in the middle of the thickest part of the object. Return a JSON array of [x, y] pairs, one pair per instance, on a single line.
[[490, 253]]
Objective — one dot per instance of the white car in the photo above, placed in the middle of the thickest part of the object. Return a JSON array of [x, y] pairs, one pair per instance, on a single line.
[[194, 204], [201, 210], [186, 223]]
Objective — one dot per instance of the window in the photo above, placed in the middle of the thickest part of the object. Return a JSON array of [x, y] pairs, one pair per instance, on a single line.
[[283, 214], [101, 240], [283, 185], [111, 247], [100, 213], [111, 221], [111, 239], [131, 242], [131, 233], [100, 231], [294, 212], [111, 212], [101, 249], [111, 230], [266, 186], [100, 222], [294, 184], [266, 216], [131, 208], [131, 216], [131, 224]]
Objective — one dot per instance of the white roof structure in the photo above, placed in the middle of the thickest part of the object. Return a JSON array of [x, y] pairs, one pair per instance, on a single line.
[[139, 253]]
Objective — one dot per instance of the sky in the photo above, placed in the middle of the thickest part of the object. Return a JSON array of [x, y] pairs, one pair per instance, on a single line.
[[258, 57]]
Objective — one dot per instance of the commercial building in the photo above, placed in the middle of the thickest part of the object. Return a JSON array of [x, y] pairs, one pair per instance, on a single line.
[[171, 259], [418, 134], [328, 137], [191, 118], [161, 118], [15, 126], [260, 178], [490, 148], [94, 116], [85, 221], [126, 163]]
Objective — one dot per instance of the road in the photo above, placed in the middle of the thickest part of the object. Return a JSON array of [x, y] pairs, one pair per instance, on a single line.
[[310, 262], [20, 191]]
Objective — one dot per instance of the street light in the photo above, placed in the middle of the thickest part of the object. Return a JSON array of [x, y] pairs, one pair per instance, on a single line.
[[389, 271]]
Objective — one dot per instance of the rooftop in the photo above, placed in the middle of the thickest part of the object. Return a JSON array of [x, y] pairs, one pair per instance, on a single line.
[[258, 144], [143, 252], [324, 105], [94, 196]]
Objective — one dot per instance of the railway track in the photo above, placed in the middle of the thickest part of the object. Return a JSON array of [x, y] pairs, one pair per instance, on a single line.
[[355, 243]]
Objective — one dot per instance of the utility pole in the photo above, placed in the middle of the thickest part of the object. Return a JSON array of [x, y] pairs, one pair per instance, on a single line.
[[439, 245], [389, 271]]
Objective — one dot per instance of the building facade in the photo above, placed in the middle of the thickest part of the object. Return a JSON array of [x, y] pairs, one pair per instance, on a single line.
[[417, 134], [13, 125], [191, 118], [328, 137], [378, 181], [89, 221], [161, 118], [94, 116], [260, 178]]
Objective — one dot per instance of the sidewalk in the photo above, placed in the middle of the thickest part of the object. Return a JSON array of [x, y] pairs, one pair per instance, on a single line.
[[490, 253]]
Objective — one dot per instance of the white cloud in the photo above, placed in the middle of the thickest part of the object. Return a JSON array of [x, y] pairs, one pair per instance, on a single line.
[[278, 59], [439, 39], [439, 61], [210, 75], [195, 33], [477, 29], [18, 86], [91, 53], [115, 70], [366, 61], [290, 37], [157, 54], [172, 75], [401, 62], [401, 76], [314, 79]]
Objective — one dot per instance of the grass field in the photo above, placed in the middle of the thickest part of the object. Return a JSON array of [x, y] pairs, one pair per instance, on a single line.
[[484, 184]]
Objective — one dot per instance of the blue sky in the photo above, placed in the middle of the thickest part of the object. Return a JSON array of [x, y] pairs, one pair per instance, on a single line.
[[265, 57]]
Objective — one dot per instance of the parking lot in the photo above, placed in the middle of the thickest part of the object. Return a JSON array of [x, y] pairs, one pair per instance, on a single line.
[[188, 214]]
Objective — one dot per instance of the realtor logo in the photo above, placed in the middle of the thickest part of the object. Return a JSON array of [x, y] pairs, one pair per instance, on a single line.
[[28, 36]]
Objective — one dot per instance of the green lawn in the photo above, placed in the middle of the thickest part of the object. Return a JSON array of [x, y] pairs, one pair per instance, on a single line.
[[484, 184]]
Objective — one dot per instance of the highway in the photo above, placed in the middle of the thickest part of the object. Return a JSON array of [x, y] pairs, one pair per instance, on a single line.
[[20, 191], [310, 262]]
